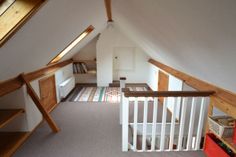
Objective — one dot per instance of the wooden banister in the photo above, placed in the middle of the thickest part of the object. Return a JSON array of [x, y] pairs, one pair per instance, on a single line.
[[129, 93], [39, 105]]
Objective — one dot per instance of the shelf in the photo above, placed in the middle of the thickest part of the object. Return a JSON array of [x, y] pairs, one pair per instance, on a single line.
[[11, 141], [7, 115], [85, 61], [227, 141]]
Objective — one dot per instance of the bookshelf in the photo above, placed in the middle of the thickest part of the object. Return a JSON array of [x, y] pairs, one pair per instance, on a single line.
[[85, 71]]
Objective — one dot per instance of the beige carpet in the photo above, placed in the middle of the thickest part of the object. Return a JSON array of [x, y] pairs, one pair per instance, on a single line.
[[87, 130]]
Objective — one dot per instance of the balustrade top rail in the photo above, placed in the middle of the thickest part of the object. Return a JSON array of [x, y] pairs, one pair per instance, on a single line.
[[129, 93]]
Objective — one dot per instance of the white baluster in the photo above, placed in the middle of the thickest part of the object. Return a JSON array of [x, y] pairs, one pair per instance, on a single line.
[[191, 124], [200, 124], [154, 123], [145, 112], [125, 123], [163, 125], [135, 124], [182, 122], [122, 85], [172, 130]]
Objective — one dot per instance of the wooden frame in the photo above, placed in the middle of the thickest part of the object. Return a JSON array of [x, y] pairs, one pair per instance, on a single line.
[[13, 84], [198, 84], [129, 93], [15, 16], [72, 44], [39, 105]]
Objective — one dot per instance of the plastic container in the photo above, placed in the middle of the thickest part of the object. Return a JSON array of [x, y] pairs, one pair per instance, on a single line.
[[218, 129]]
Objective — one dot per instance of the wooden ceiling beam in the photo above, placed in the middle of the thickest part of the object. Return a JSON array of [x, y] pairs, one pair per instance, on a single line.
[[108, 10], [198, 84]]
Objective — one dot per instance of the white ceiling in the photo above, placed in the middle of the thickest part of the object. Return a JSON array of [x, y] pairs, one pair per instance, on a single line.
[[195, 36], [52, 28]]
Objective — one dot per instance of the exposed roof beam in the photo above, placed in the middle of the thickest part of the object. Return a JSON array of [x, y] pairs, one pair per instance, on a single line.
[[108, 9]]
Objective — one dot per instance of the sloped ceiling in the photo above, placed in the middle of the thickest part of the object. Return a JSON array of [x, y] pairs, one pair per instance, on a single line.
[[53, 27], [195, 36]]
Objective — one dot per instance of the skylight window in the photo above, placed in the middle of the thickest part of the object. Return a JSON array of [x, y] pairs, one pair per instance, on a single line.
[[5, 4], [72, 44], [13, 14]]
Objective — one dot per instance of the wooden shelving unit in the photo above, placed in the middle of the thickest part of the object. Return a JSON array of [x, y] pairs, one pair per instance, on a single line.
[[7, 115], [11, 141], [229, 143], [229, 110]]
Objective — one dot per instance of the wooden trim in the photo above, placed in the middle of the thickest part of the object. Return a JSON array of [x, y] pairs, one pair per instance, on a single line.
[[108, 10], [10, 85], [129, 93], [39, 105], [13, 84], [198, 84], [14, 10], [227, 108], [46, 70], [85, 61], [11, 141], [7, 115], [75, 41]]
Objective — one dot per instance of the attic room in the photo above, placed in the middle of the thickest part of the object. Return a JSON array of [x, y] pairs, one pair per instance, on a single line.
[[117, 78]]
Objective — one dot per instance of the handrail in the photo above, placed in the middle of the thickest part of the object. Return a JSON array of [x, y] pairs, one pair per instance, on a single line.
[[128, 93]]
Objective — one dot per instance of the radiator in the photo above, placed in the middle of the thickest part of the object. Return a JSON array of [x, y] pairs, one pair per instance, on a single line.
[[66, 87]]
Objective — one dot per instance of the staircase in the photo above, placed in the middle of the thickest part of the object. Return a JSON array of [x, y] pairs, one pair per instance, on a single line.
[[147, 128]]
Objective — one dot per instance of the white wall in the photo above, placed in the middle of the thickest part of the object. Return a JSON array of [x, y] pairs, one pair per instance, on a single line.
[[110, 39], [153, 76], [175, 84], [48, 32], [88, 52], [15, 100], [20, 99], [196, 37], [61, 75]]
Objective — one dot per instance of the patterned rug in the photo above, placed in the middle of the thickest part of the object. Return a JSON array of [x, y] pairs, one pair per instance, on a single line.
[[101, 94]]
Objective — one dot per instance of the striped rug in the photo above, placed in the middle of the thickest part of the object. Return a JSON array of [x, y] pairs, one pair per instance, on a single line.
[[101, 94], [98, 94]]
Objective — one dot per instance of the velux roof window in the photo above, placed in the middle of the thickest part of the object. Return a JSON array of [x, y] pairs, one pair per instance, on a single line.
[[72, 44], [5, 4]]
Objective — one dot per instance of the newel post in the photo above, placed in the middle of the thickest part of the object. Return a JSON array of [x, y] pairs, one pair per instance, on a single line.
[[122, 85]]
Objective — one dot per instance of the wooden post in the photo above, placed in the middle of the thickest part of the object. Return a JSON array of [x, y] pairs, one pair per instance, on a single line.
[[39, 105], [210, 113]]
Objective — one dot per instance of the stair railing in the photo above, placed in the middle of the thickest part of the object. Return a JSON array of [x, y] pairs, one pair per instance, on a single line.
[[144, 130]]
